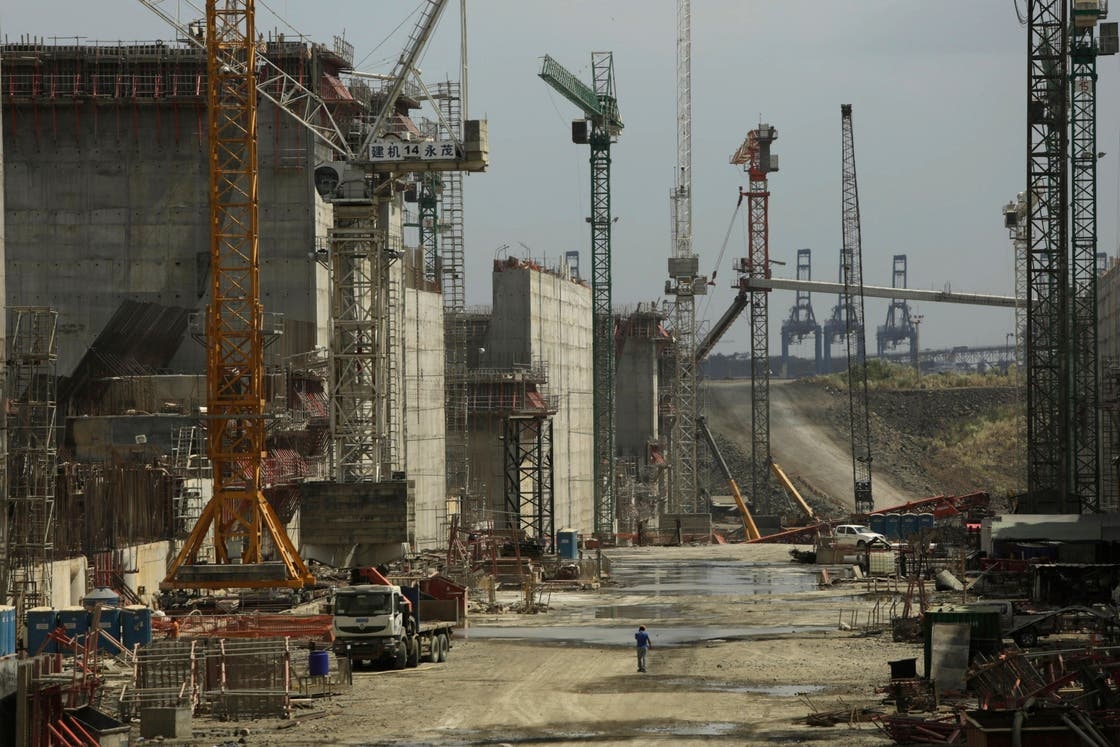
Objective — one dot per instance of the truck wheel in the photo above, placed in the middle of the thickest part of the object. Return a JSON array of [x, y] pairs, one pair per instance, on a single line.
[[1026, 638], [441, 647], [414, 651], [433, 650], [400, 658]]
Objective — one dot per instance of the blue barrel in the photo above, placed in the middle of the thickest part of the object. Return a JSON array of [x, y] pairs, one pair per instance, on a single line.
[[567, 544], [925, 522], [40, 622], [908, 525], [894, 530], [7, 630], [878, 523], [319, 663], [136, 625], [110, 622]]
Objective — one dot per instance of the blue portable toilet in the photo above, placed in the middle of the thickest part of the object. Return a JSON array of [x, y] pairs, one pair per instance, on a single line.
[[908, 525], [567, 544], [894, 530], [40, 622], [7, 630], [136, 625], [75, 621], [109, 621], [925, 522], [878, 523]]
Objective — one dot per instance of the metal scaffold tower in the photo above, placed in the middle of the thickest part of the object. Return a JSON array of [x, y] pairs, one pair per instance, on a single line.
[[801, 321], [32, 456], [852, 266], [684, 284], [1048, 439], [600, 129], [250, 544], [899, 326], [1085, 480], [755, 158]]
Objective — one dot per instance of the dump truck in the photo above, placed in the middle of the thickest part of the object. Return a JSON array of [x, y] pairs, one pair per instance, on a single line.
[[379, 623]]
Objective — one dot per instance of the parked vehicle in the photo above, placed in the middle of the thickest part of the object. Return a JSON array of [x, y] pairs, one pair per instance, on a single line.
[[1025, 627], [857, 535], [384, 624]]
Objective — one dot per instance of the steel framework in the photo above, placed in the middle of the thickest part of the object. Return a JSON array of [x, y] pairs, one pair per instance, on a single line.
[[852, 267], [529, 494], [600, 106], [683, 272], [32, 457], [1048, 439], [238, 512], [1085, 480], [755, 158], [899, 325]]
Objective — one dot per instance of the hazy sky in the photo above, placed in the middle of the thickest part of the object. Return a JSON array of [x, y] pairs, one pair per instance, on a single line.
[[938, 95]]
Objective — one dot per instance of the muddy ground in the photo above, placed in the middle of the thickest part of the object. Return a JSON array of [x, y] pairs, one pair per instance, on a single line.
[[745, 646]]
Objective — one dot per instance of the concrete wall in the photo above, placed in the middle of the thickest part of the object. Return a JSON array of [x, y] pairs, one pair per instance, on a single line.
[[356, 524], [1108, 350], [539, 316], [636, 388], [111, 202], [423, 398]]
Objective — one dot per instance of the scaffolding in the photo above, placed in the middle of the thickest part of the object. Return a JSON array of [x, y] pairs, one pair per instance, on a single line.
[[32, 455]]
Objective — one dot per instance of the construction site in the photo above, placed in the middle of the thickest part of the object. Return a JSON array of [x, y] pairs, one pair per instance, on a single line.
[[269, 478]]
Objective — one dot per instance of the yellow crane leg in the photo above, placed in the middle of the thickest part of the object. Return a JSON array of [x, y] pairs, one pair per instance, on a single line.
[[748, 520], [791, 490]]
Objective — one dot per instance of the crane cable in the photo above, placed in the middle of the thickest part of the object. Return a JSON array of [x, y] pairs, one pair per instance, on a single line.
[[722, 250]]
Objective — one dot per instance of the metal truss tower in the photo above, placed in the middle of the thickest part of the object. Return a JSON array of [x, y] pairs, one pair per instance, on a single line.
[[755, 158], [32, 457], [801, 321], [529, 484], [683, 284], [899, 326], [600, 107], [852, 267], [241, 517], [1048, 441], [1085, 482]]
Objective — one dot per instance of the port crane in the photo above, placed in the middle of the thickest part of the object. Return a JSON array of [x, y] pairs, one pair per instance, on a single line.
[[362, 332], [852, 270], [600, 127]]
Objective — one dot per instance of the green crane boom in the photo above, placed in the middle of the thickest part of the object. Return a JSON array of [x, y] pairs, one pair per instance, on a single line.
[[600, 108]]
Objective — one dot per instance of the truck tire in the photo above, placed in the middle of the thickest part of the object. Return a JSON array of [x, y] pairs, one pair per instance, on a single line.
[[1026, 638], [400, 658], [414, 651], [441, 647], [433, 650]]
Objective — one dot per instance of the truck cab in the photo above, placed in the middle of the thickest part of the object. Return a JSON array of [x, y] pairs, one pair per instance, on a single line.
[[372, 622]]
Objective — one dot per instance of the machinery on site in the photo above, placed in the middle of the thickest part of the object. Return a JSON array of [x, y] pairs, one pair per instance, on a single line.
[[852, 269], [600, 127], [756, 159], [750, 530], [378, 622]]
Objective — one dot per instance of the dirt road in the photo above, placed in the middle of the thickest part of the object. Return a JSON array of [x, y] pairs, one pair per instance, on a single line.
[[803, 445], [738, 632]]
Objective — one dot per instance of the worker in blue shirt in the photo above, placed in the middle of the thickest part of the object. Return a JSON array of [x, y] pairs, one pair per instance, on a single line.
[[642, 638]]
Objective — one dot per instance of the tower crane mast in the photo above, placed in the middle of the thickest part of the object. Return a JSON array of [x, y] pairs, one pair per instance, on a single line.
[[600, 128], [852, 269], [755, 158]]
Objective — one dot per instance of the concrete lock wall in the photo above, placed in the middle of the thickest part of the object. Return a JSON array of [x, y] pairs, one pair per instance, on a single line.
[[636, 385], [423, 396], [540, 316], [107, 205]]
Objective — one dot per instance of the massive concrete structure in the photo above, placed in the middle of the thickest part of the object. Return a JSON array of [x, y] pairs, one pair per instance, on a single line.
[[532, 359], [106, 178]]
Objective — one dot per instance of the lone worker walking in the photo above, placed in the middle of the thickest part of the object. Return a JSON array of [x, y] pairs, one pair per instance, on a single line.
[[642, 638]]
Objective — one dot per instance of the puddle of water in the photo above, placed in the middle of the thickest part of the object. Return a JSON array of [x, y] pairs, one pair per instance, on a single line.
[[643, 575], [781, 691], [635, 612], [716, 729], [599, 635]]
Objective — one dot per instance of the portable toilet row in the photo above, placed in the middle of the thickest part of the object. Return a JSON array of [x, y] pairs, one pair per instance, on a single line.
[[131, 625], [900, 526], [7, 630]]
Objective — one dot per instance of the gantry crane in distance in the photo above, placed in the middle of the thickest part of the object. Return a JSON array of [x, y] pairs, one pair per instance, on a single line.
[[755, 158], [750, 529], [801, 321], [852, 266], [238, 511], [899, 326], [600, 127]]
